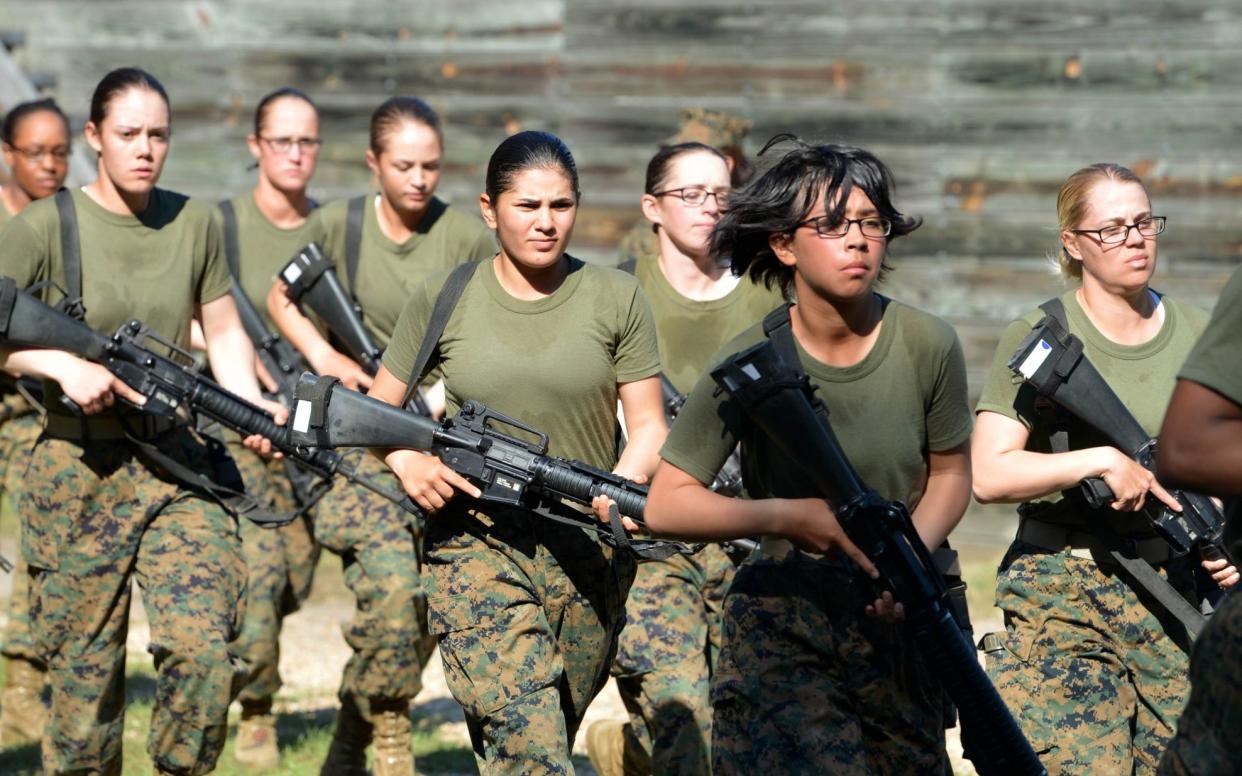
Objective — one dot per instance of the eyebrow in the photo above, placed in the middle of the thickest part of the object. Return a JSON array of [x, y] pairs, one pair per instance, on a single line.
[[163, 127], [1121, 220]]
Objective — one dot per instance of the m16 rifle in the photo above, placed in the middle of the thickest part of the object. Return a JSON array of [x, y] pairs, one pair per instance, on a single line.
[[779, 399], [172, 388], [510, 471]]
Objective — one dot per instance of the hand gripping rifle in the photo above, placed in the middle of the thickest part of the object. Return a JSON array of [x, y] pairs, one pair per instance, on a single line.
[[779, 399], [172, 389], [1051, 359], [312, 281], [511, 472]]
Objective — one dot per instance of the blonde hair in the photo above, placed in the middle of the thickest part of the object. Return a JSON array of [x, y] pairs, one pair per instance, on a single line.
[[1072, 205]]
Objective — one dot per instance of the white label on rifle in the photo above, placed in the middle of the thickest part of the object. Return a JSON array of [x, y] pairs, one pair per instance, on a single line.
[[292, 273], [301, 417], [1039, 354], [750, 371]]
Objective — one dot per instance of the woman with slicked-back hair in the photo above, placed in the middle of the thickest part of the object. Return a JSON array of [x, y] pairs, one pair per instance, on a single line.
[[262, 229], [1094, 669], [816, 674], [99, 511], [403, 234], [527, 610]]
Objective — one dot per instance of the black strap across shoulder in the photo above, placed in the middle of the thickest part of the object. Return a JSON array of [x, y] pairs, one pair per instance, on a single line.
[[629, 266], [354, 211], [779, 329], [70, 251], [446, 301], [232, 249]]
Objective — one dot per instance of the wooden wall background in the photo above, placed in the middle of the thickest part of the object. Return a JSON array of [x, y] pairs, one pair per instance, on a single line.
[[981, 107]]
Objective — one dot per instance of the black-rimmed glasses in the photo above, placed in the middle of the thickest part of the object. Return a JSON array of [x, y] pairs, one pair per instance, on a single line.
[[1119, 233], [872, 226], [694, 196]]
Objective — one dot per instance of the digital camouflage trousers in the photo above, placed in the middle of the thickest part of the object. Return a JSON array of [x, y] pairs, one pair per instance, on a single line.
[[1091, 674], [667, 653], [528, 612], [807, 683], [94, 518]]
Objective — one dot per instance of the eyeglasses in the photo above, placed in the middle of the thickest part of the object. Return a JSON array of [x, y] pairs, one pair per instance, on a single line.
[[36, 155], [1119, 233], [693, 196], [281, 145], [870, 227]]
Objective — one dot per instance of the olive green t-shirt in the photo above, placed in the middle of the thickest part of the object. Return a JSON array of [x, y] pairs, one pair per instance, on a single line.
[[691, 331], [1142, 376], [552, 363], [154, 268], [389, 272], [264, 248], [904, 399], [1216, 360], [5, 215]]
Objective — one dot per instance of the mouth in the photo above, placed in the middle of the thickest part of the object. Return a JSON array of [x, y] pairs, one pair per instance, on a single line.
[[856, 268], [143, 172], [1138, 262], [543, 245]]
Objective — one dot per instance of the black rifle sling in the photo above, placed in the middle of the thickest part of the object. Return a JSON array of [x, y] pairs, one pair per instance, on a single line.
[[232, 247], [354, 211], [71, 254], [1058, 437], [446, 302], [629, 266]]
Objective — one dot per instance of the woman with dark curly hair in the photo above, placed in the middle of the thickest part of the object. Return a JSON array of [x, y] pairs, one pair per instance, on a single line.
[[807, 682]]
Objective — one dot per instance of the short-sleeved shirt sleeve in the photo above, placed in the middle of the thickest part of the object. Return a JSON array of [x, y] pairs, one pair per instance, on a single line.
[[1216, 360]]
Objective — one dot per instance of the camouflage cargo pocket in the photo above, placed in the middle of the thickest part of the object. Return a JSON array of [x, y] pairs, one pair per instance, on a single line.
[[494, 651], [54, 494]]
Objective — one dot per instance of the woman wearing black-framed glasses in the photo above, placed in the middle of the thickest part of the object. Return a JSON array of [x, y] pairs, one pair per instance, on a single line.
[[1093, 668]]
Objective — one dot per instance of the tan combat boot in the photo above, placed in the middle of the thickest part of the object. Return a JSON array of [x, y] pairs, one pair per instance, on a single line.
[[23, 714], [614, 749], [255, 746], [391, 738], [347, 756]]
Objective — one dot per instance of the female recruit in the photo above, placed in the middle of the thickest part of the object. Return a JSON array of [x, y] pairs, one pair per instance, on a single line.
[[35, 142], [806, 682], [1092, 666], [407, 235], [527, 610], [262, 230], [96, 511], [672, 634]]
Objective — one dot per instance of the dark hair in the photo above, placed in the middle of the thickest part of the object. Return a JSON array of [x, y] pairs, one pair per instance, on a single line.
[[525, 151], [657, 168], [396, 110], [117, 83], [22, 110], [780, 199], [260, 111]]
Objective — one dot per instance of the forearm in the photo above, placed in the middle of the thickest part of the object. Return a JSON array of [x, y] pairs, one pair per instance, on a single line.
[[1022, 475], [642, 449], [1201, 441], [43, 364], [940, 510], [297, 328], [692, 511], [231, 355]]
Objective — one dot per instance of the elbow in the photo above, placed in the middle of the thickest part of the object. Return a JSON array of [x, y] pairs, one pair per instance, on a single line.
[[984, 490]]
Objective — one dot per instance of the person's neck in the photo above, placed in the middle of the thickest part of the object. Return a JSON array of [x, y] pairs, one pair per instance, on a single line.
[[396, 225], [110, 198], [529, 283], [698, 277], [285, 209], [837, 332], [15, 198], [1126, 316]]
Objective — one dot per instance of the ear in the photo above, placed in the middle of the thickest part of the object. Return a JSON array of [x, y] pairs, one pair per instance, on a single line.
[[8, 153], [1069, 241], [782, 245], [253, 143], [372, 161], [92, 137], [489, 214], [651, 210]]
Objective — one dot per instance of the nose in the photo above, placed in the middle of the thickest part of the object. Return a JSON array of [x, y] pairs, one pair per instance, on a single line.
[[1133, 237], [543, 221], [295, 151], [711, 205], [417, 177], [144, 145], [852, 237]]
